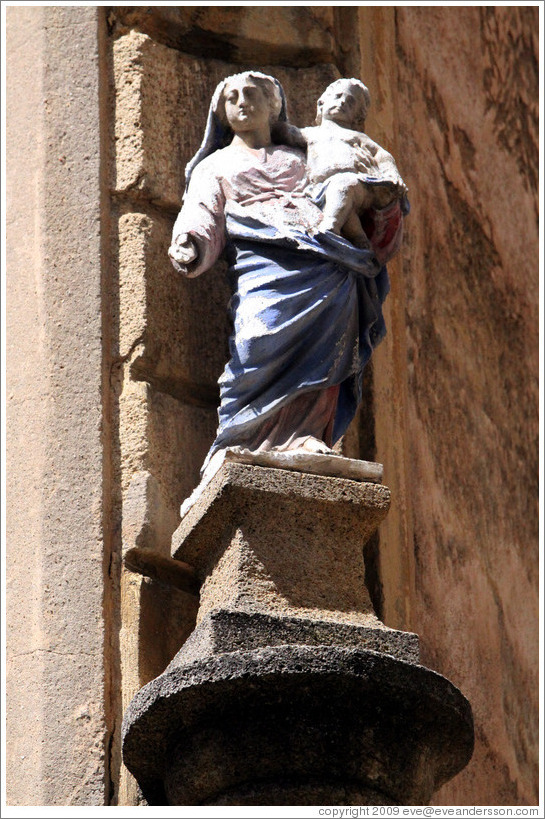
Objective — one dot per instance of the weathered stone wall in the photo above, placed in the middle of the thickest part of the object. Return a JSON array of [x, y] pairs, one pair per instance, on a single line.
[[113, 358], [58, 705], [467, 135]]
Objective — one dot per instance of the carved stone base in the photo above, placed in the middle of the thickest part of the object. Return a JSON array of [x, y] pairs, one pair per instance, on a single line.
[[323, 725], [222, 631], [283, 543], [290, 690]]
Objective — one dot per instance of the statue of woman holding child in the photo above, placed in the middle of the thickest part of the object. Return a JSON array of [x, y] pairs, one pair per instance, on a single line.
[[308, 279]]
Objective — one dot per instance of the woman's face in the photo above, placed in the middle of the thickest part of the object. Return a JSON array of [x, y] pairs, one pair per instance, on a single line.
[[246, 106]]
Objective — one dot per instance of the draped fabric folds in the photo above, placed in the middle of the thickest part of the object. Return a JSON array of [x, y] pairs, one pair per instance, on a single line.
[[307, 313], [306, 305]]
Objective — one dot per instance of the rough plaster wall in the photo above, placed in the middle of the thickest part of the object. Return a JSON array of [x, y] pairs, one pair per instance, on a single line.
[[467, 113], [57, 718]]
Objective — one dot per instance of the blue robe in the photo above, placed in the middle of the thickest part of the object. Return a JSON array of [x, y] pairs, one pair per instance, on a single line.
[[307, 313]]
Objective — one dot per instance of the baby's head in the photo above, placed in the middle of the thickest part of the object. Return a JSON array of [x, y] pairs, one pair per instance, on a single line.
[[345, 102]]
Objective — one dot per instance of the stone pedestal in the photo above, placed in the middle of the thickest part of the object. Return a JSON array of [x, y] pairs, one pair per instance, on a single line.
[[290, 690]]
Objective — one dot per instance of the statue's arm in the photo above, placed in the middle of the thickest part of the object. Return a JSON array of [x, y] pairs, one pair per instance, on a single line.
[[284, 133], [198, 236], [385, 165]]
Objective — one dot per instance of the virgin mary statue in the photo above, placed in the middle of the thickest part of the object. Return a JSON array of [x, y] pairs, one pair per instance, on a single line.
[[306, 304]]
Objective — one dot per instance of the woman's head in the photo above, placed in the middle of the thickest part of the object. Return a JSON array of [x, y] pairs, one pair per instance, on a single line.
[[218, 133], [254, 85]]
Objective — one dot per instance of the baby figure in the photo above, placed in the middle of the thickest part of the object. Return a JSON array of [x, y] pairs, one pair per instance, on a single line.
[[355, 173]]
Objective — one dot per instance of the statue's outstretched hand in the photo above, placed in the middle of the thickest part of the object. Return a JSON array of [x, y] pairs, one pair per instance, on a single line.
[[183, 250]]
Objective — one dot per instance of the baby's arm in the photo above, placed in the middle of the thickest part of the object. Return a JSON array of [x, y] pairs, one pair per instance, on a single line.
[[283, 133], [384, 162]]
